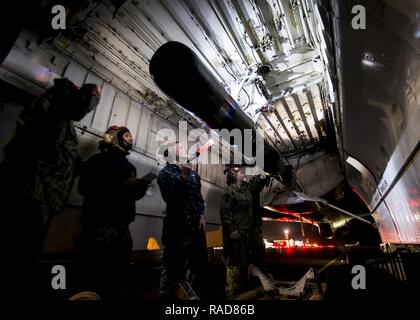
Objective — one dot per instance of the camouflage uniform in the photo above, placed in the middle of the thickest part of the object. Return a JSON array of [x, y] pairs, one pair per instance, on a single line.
[[38, 170], [184, 205], [236, 215]]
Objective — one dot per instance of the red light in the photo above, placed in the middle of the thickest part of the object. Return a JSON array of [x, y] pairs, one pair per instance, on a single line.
[[288, 250]]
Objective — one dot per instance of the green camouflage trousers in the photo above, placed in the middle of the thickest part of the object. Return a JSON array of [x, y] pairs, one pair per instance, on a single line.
[[236, 279], [237, 256]]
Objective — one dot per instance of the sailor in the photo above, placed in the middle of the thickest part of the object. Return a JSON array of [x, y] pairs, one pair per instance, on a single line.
[[110, 188], [37, 173], [236, 215], [183, 226]]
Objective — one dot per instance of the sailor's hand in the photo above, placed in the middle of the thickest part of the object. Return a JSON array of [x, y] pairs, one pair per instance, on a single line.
[[235, 235], [186, 170]]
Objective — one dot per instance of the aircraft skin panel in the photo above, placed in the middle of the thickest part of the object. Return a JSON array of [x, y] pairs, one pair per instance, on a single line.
[[133, 116], [144, 124], [408, 144], [312, 176], [361, 178], [120, 110], [17, 69], [386, 225], [103, 111], [404, 203], [91, 78], [376, 115], [379, 94], [76, 72]]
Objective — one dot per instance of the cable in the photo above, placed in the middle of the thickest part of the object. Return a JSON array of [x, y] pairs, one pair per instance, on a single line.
[[231, 74], [251, 47], [249, 99], [298, 162], [258, 89]]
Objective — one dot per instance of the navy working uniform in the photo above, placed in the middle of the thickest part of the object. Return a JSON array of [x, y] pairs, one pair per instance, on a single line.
[[184, 206]]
